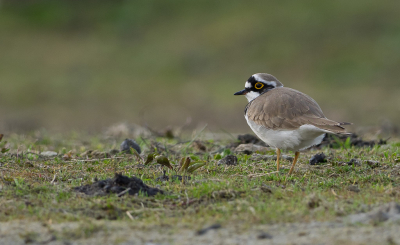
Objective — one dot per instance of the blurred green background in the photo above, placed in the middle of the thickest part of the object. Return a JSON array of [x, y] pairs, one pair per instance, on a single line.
[[88, 64]]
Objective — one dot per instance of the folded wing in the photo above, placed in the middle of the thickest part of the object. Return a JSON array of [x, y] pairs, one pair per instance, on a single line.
[[288, 109]]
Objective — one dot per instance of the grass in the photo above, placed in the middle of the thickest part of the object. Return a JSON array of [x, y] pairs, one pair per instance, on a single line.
[[40, 189]]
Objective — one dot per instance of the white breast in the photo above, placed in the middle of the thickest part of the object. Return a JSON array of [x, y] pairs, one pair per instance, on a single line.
[[303, 137]]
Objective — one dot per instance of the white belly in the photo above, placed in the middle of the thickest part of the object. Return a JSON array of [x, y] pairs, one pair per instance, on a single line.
[[303, 137]]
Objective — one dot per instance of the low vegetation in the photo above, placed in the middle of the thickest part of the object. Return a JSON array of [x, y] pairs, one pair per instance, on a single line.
[[37, 187]]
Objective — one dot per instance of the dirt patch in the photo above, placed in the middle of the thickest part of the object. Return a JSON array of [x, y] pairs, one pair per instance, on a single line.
[[120, 185], [386, 212]]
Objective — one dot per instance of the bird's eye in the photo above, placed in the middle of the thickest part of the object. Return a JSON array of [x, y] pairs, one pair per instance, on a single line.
[[259, 85]]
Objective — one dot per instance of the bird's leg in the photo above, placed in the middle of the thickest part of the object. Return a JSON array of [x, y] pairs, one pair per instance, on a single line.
[[278, 154], [296, 156]]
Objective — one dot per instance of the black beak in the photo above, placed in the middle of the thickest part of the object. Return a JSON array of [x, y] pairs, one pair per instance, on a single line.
[[241, 92]]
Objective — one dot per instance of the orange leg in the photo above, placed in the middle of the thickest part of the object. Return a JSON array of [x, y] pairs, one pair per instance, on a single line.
[[296, 156], [278, 155]]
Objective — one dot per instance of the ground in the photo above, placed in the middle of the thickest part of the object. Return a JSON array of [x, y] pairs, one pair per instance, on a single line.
[[339, 201]]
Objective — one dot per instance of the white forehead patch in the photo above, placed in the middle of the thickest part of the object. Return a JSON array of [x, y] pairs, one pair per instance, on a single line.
[[247, 85]]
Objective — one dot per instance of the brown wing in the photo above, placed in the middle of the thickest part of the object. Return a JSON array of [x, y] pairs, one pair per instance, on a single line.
[[288, 109]]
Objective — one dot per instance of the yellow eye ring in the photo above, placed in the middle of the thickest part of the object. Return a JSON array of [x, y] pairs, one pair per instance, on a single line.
[[259, 85]]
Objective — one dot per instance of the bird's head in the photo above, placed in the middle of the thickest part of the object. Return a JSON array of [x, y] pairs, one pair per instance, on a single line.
[[258, 84]]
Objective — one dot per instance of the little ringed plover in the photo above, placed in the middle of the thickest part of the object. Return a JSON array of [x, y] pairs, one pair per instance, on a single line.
[[284, 118]]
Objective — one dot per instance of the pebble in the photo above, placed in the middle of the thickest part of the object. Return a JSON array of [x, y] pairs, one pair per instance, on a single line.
[[264, 235], [228, 160], [127, 144], [205, 230], [372, 163], [318, 158]]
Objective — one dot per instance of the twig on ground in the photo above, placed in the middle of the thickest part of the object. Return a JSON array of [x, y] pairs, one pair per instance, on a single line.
[[123, 192], [187, 198], [54, 178], [130, 215], [334, 193]]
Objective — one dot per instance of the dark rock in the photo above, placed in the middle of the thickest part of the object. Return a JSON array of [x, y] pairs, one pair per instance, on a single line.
[[127, 144], [117, 185], [205, 230], [264, 235], [352, 162], [248, 138], [317, 158], [228, 160]]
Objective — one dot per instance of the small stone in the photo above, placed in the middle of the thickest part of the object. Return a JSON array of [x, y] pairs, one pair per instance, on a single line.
[[317, 158], [127, 144], [264, 235], [49, 154], [250, 148], [354, 162], [302, 233], [205, 230], [248, 138], [353, 188], [162, 178], [199, 146], [372, 163], [228, 160]]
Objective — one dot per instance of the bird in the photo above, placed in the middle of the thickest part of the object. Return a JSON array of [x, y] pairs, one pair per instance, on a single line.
[[285, 118]]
